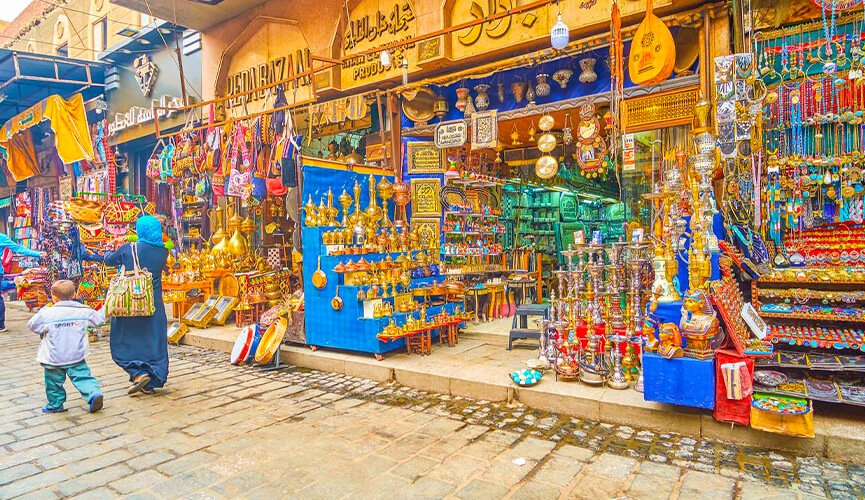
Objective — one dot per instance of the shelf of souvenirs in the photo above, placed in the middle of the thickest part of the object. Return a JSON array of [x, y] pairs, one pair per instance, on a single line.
[[473, 233], [411, 325], [828, 391], [461, 254], [812, 361], [463, 250], [803, 295], [817, 337], [813, 313], [815, 275], [474, 270], [479, 181], [457, 213]]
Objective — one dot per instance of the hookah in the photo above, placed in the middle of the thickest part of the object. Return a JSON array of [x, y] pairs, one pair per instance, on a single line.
[[593, 365]]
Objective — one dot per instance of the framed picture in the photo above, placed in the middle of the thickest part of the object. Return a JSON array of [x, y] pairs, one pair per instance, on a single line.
[[485, 130], [425, 200], [192, 312], [176, 331], [423, 157], [429, 230], [224, 307]]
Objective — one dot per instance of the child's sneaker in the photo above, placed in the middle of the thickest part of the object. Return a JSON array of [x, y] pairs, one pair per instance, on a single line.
[[48, 409], [95, 403]]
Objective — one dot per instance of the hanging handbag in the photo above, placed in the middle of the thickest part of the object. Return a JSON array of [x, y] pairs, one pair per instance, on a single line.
[[236, 182], [130, 293]]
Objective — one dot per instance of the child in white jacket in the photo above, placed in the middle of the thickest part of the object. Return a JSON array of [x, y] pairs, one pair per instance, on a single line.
[[63, 328]]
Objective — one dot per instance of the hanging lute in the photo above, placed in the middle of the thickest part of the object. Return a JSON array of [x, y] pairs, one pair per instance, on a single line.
[[653, 52]]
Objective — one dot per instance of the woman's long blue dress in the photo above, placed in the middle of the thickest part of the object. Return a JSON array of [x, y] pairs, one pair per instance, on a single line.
[[139, 345]]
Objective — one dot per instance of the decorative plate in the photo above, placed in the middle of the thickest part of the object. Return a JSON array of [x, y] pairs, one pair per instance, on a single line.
[[419, 108], [781, 405], [770, 378]]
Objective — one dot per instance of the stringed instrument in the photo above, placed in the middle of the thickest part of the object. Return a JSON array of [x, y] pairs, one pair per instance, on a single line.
[[653, 52]]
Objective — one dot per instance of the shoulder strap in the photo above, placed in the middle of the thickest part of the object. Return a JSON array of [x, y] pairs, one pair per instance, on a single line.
[[135, 258]]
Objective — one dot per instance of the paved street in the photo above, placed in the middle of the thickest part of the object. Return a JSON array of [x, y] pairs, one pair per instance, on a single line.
[[219, 431]]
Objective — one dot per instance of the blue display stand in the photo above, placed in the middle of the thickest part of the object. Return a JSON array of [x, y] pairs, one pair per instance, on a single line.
[[680, 381], [346, 328]]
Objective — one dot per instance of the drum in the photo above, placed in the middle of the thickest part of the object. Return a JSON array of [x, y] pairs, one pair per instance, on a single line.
[[242, 345]]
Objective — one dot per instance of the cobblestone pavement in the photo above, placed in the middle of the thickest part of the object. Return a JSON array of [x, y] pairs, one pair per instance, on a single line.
[[221, 431]]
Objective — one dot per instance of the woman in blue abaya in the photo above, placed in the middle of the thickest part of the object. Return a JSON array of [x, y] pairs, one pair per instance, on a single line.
[[139, 345]]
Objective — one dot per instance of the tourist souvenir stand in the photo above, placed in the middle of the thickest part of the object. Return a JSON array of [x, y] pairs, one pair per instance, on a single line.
[[361, 272], [805, 252]]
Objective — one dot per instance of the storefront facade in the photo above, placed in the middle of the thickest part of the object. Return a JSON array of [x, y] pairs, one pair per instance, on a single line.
[[138, 82]]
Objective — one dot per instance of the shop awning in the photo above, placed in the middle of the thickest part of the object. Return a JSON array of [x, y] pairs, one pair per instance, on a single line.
[[26, 79], [67, 119], [197, 14]]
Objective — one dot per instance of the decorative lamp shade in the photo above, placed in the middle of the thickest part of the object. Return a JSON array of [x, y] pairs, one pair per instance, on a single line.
[[559, 35]]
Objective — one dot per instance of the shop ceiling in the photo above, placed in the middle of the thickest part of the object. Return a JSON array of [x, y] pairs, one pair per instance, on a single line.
[[26, 79], [195, 14]]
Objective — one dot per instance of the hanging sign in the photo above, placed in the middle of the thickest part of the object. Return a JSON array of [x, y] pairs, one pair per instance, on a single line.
[[485, 130], [629, 157], [451, 134]]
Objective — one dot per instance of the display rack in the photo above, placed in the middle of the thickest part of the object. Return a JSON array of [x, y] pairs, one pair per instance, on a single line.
[[347, 328], [819, 324]]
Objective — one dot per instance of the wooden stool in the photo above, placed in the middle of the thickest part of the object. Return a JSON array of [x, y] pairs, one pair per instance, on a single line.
[[244, 317], [420, 342], [449, 334]]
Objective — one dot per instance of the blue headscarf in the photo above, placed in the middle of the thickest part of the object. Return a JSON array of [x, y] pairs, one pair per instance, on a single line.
[[149, 230]]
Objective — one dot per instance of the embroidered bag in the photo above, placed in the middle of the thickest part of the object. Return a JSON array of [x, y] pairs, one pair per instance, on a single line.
[[236, 182], [130, 293]]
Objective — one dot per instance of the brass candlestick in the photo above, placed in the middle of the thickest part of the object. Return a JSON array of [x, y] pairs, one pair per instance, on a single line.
[[385, 192], [345, 202]]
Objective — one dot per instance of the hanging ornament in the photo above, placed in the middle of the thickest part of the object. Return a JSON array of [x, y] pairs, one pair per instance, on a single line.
[[515, 137], [547, 141], [567, 134], [470, 107], [546, 167], [591, 148]]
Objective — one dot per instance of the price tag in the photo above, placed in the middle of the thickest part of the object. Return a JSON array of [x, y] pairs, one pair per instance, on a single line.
[[754, 321]]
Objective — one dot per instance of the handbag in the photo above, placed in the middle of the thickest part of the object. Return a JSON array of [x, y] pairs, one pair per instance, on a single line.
[[236, 182], [130, 293]]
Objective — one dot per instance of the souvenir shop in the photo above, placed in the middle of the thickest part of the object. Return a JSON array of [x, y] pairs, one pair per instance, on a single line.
[[50, 152], [676, 227]]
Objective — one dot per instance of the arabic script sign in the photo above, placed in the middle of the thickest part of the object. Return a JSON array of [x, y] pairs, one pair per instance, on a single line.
[[139, 115], [371, 25], [451, 134], [513, 30]]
